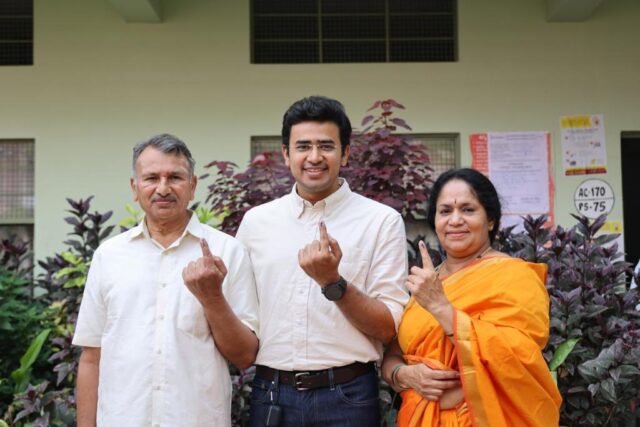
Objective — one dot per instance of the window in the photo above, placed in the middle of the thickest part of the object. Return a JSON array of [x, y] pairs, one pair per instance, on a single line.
[[341, 31], [441, 147], [443, 150], [16, 32], [16, 189]]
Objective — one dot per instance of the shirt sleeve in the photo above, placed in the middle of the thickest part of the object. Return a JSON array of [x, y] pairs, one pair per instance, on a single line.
[[92, 315], [240, 288], [388, 271]]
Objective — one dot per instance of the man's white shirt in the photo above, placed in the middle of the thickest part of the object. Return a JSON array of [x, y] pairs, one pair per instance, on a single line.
[[299, 328], [159, 364]]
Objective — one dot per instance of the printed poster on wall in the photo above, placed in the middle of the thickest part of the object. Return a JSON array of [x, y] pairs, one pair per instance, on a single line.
[[519, 165], [584, 149]]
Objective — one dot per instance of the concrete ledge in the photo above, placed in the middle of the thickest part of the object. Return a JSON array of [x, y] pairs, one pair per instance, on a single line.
[[571, 10], [138, 10]]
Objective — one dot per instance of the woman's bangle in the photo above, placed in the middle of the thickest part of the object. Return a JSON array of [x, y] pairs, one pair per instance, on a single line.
[[394, 371]]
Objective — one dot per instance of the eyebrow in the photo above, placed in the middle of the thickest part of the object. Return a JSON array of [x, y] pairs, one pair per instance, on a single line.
[[447, 205], [307, 141]]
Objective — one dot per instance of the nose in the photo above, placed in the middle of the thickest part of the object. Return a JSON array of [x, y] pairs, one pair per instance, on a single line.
[[315, 155], [455, 218], [163, 187]]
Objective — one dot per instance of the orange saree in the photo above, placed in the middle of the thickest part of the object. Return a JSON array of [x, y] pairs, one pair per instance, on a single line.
[[501, 324]]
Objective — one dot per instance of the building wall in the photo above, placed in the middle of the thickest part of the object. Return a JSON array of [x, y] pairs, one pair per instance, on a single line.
[[98, 85]]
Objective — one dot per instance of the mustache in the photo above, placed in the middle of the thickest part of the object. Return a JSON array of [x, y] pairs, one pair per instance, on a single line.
[[163, 199]]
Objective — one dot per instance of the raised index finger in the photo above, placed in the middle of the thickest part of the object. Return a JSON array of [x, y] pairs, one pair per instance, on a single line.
[[426, 258], [324, 236], [206, 252]]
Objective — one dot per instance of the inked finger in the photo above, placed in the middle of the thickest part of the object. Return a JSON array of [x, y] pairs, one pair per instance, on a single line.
[[426, 258], [206, 252], [324, 235]]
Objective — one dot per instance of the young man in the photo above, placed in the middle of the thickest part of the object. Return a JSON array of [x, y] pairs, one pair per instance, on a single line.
[[164, 304], [329, 267]]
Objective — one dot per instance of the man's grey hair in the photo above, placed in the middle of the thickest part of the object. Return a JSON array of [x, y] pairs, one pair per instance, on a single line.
[[167, 144]]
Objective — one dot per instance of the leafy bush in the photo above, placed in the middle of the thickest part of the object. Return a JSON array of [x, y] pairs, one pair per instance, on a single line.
[[20, 319], [593, 319], [62, 280]]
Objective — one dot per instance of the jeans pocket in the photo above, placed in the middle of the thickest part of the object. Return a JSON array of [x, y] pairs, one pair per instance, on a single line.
[[361, 391], [262, 390]]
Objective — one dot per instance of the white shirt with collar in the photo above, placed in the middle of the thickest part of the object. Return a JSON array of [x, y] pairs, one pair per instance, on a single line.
[[299, 328], [159, 365]]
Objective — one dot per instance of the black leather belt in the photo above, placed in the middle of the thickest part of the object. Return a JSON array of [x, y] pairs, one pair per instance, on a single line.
[[307, 380]]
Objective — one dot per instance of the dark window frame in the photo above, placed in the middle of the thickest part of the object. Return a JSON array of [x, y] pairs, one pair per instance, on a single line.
[[392, 43], [16, 32]]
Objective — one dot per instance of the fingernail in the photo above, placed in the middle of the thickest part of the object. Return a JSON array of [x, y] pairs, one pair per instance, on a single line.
[[321, 223], [421, 244]]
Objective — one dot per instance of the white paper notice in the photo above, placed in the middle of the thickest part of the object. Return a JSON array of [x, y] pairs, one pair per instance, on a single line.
[[519, 168], [584, 149]]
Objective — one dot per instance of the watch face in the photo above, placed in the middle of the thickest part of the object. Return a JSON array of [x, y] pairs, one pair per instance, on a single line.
[[333, 292]]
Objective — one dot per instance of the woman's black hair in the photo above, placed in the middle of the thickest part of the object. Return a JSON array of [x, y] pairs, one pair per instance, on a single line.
[[481, 187]]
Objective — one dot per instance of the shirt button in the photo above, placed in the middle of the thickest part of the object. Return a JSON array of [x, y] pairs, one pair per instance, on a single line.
[[161, 317], [164, 285], [159, 351], [157, 387]]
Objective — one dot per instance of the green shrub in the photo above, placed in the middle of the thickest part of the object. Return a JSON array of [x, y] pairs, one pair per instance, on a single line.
[[21, 318]]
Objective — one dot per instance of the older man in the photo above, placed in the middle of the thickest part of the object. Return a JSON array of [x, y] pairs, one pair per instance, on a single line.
[[165, 303], [330, 266]]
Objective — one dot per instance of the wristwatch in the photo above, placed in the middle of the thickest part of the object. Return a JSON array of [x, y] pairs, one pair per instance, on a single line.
[[334, 291]]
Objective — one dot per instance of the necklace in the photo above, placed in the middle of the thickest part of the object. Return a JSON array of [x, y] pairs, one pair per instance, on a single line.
[[483, 253], [439, 268]]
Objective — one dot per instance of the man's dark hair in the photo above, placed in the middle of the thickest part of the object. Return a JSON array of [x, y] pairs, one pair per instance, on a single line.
[[317, 109], [167, 144], [480, 186]]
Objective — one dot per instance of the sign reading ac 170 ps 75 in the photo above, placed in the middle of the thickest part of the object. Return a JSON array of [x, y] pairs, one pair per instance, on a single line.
[[593, 198]]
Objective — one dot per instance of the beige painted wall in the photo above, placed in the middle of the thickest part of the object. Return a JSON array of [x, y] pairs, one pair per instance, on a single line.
[[99, 85]]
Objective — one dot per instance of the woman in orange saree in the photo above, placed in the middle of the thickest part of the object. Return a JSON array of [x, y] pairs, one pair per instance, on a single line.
[[468, 351]]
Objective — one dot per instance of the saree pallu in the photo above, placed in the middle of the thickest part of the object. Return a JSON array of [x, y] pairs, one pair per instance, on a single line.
[[501, 324]]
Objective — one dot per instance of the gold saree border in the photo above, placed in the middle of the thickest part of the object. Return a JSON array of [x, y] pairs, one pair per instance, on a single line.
[[467, 370]]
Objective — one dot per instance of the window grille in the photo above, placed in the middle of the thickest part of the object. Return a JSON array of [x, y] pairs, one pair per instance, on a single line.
[[16, 189], [16, 32], [342, 31]]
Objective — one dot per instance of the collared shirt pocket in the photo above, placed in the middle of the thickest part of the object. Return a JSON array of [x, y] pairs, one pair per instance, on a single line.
[[191, 318], [354, 267]]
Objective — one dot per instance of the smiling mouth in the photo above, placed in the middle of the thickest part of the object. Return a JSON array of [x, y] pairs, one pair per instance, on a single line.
[[315, 171]]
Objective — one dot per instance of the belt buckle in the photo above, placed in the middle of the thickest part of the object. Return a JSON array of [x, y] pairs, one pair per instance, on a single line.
[[298, 377]]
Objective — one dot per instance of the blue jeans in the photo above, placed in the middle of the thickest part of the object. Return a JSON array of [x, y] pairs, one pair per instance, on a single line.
[[354, 403]]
